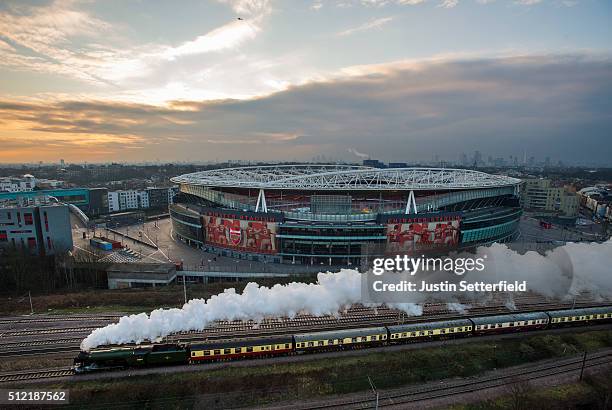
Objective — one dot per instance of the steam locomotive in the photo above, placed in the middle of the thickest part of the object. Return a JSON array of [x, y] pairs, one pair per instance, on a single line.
[[122, 357]]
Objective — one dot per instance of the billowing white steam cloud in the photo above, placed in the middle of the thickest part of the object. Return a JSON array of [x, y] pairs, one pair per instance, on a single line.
[[333, 293], [569, 269]]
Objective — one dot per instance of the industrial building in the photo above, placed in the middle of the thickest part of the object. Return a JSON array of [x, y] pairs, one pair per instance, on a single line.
[[42, 227]]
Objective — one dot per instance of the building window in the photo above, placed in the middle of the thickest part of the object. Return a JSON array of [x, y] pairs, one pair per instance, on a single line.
[[3, 236], [31, 242], [27, 219]]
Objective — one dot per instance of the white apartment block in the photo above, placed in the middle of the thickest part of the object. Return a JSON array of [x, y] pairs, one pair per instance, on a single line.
[[125, 200], [17, 184]]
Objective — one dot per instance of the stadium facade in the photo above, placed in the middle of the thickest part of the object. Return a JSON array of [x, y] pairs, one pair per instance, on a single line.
[[342, 215]]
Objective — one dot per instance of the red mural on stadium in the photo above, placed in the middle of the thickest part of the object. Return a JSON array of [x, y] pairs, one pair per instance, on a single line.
[[241, 235], [420, 234]]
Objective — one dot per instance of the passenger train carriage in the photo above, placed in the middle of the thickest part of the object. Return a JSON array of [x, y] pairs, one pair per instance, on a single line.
[[253, 347], [108, 358], [564, 317], [429, 330], [351, 338], [509, 323]]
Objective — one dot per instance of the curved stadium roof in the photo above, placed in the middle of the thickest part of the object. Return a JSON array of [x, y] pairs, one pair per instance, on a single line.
[[344, 177]]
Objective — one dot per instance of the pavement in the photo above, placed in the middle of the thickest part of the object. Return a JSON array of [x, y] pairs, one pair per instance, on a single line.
[[532, 232], [170, 249]]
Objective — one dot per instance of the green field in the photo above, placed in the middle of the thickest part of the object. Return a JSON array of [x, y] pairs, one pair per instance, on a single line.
[[259, 384]]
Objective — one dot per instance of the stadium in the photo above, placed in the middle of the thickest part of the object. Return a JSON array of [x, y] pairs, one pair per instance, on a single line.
[[342, 215]]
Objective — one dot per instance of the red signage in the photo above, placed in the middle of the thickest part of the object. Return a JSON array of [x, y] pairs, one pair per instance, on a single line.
[[242, 235], [423, 235]]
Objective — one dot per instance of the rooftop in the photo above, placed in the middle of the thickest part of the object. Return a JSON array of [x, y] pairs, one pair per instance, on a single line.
[[345, 177]]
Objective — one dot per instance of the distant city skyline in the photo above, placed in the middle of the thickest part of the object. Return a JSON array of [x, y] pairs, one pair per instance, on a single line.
[[395, 80]]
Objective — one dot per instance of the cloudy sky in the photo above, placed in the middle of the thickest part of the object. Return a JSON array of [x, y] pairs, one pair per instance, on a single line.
[[397, 80]]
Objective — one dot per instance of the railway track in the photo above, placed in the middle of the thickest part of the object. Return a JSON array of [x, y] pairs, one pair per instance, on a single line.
[[35, 374], [412, 396], [57, 319], [357, 316]]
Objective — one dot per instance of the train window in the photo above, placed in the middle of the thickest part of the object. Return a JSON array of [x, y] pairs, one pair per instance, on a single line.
[[413, 334], [310, 344], [405, 334], [286, 345], [238, 350], [320, 343], [442, 331], [354, 340], [227, 351], [249, 349], [375, 337], [511, 324], [206, 353], [193, 354], [217, 352]]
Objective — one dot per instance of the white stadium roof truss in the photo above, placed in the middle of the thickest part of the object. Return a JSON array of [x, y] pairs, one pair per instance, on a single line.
[[338, 177]]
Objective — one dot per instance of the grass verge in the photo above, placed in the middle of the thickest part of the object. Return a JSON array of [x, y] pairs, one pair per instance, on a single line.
[[258, 385]]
